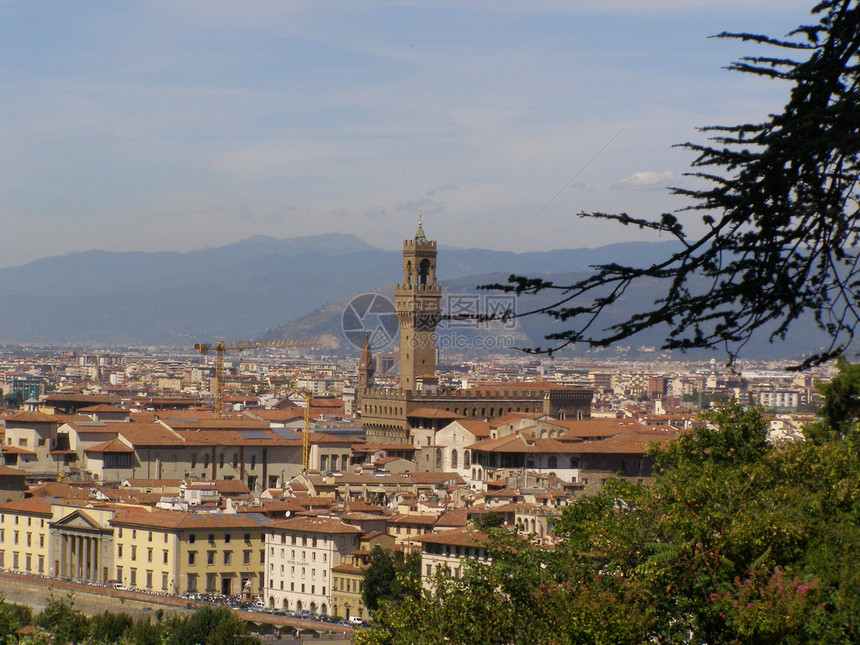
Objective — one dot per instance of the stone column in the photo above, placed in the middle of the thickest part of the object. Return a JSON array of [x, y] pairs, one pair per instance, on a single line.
[[79, 565], [63, 546]]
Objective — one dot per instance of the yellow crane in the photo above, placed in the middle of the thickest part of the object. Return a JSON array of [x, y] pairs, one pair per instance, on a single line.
[[222, 347]]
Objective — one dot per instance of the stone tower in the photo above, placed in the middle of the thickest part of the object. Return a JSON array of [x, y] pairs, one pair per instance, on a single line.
[[418, 304], [366, 368]]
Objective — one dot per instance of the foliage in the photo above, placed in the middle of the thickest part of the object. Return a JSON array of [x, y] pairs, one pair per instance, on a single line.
[[65, 623], [736, 541], [208, 626], [13, 617], [390, 576], [109, 627], [779, 205], [841, 409]]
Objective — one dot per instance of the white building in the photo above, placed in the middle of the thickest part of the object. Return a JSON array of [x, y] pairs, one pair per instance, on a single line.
[[300, 553]]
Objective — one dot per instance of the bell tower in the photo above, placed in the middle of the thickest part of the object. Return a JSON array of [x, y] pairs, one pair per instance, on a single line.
[[418, 305]]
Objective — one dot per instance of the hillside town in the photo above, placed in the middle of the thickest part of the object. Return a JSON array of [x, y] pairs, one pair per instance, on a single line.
[[271, 475]]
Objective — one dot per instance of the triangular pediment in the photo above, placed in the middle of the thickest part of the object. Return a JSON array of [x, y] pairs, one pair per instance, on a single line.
[[78, 520]]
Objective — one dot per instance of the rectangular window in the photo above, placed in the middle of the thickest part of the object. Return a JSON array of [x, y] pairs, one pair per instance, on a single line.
[[192, 556], [262, 556], [246, 557], [164, 582], [210, 557], [148, 579], [149, 555], [191, 582], [119, 575], [132, 577], [210, 582], [133, 552], [164, 557], [227, 538], [41, 564], [192, 538], [228, 556]]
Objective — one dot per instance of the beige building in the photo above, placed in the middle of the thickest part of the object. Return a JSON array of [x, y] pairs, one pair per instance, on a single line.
[[446, 551], [178, 552], [24, 531], [300, 554]]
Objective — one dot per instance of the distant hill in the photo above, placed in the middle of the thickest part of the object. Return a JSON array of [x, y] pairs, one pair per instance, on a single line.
[[530, 331], [295, 288], [229, 292]]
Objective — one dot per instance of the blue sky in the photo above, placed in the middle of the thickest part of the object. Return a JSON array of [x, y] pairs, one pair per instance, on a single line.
[[174, 126]]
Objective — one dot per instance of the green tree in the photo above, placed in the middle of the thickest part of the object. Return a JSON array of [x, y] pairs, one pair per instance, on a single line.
[[841, 410], [391, 576], [736, 541], [109, 627], [208, 626], [13, 617], [65, 623], [779, 208]]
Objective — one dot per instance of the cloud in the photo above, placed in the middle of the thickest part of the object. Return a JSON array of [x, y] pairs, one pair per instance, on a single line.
[[645, 180], [442, 189], [377, 211]]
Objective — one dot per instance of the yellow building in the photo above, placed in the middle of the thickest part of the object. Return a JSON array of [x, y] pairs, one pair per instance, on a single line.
[[24, 530], [179, 553]]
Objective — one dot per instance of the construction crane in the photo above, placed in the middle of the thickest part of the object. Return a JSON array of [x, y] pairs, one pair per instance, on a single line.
[[222, 347], [306, 435]]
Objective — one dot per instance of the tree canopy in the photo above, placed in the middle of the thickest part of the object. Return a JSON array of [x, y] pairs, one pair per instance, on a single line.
[[779, 205], [738, 541]]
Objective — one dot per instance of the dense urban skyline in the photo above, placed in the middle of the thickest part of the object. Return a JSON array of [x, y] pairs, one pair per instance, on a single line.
[[172, 127]]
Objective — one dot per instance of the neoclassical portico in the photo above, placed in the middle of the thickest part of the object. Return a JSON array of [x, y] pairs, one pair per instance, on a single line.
[[82, 548]]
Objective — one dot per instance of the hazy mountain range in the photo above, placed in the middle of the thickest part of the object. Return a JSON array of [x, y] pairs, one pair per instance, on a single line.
[[294, 288]]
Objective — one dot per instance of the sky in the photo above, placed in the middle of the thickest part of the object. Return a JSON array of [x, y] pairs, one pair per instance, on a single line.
[[174, 126]]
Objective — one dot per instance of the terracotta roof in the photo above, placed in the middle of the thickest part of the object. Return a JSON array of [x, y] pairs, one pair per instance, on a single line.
[[72, 397], [149, 434], [524, 443], [326, 525], [433, 478], [478, 428], [510, 417], [214, 424], [16, 450], [453, 518], [60, 490], [110, 446], [455, 537], [348, 568], [34, 506], [223, 486], [41, 417], [182, 520], [424, 520], [8, 471], [288, 414], [103, 407]]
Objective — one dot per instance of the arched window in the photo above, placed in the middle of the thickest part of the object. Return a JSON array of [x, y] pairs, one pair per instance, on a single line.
[[467, 458], [408, 274], [438, 458], [454, 459], [423, 272], [553, 462]]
